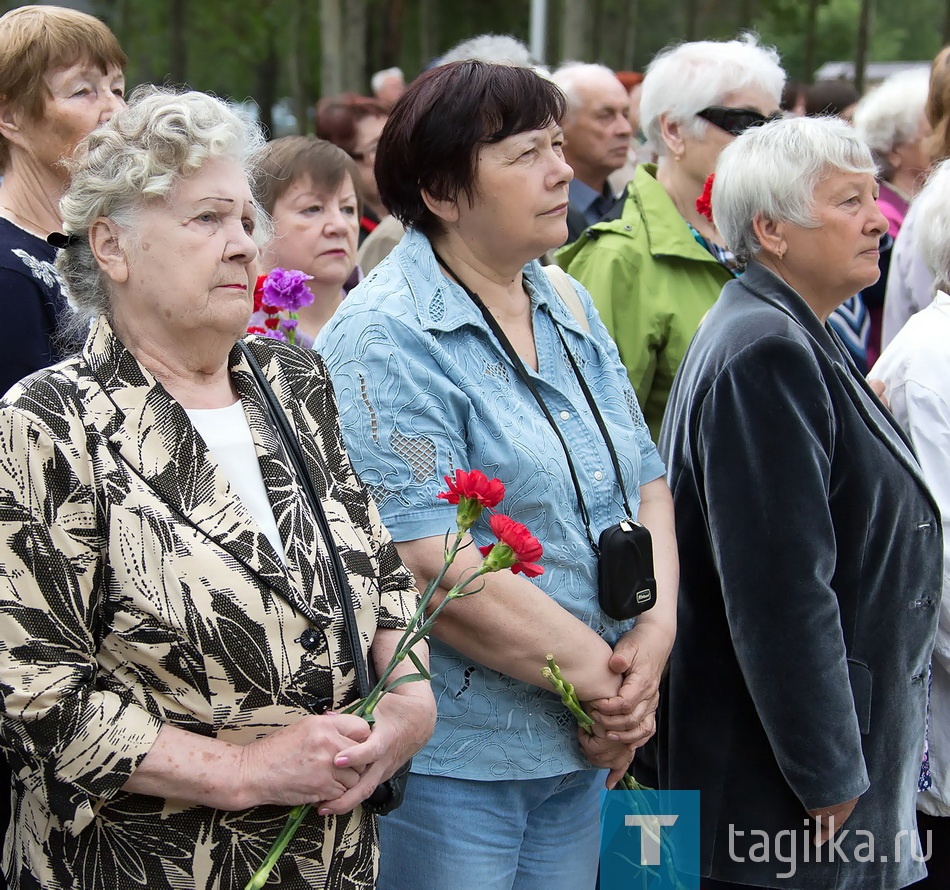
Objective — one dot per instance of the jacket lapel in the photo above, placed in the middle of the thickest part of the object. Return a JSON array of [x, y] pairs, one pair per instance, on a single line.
[[152, 435], [295, 520], [769, 287]]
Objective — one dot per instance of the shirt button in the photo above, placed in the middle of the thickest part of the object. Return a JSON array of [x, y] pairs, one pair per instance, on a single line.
[[311, 639], [565, 415], [598, 475]]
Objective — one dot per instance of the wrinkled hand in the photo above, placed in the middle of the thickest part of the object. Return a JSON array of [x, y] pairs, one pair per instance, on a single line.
[[830, 819], [630, 717], [404, 722], [606, 754], [295, 765]]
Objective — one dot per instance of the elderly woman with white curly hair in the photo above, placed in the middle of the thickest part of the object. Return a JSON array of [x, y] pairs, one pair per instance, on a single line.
[[810, 544], [915, 367], [172, 654]]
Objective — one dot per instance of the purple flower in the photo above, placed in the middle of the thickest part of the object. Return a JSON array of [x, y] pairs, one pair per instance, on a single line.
[[287, 289], [289, 324], [275, 335]]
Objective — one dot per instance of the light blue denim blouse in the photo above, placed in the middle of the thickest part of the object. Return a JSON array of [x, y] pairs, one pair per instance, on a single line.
[[423, 389]]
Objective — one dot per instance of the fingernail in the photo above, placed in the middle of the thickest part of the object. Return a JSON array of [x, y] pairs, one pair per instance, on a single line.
[[341, 761], [323, 812], [613, 736]]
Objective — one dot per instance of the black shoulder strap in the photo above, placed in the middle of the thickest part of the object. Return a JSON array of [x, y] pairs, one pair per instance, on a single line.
[[343, 590], [525, 378]]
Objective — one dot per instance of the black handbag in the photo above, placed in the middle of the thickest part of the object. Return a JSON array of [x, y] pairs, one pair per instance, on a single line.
[[626, 586], [389, 794]]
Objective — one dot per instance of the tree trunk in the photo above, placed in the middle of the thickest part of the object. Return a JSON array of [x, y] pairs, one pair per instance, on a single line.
[[811, 39], [392, 35], [631, 19], [331, 47], [178, 42], [354, 53], [692, 19], [575, 31], [265, 91], [429, 43], [864, 41]]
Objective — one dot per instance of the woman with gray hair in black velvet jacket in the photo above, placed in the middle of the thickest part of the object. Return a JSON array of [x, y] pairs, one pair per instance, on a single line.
[[810, 544]]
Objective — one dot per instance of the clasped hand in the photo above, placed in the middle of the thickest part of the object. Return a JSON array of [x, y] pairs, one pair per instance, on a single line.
[[336, 760], [624, 722]]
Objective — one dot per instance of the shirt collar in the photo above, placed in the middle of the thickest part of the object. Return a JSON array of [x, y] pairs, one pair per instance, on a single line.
[[442, 305], [581, 195]]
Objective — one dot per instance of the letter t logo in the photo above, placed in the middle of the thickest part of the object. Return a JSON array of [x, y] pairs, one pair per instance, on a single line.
[[650, 835]]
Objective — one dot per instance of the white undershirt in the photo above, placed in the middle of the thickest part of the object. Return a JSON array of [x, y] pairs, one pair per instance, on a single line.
[[228, 436]]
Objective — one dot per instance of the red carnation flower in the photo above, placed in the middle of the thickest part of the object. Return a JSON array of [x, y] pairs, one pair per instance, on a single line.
[[473, 492], [704, 201], [271, 323], [255, 329], [259, 293], [473, 484], [517, 548]]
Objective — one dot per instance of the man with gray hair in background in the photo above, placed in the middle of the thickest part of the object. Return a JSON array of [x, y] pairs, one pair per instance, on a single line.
[[596, 139], [388, 85]]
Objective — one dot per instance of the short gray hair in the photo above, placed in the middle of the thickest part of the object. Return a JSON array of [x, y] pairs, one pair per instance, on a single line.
[[773, 171], [891, 114], [501, 48], [137, 157], [689, 77], [932, 228], [380, 77], [571, 75]]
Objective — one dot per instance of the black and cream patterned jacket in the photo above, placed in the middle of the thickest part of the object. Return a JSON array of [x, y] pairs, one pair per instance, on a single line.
[[136, 590]]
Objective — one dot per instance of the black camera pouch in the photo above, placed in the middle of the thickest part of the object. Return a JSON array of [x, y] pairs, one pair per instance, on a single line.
[[625, 583]]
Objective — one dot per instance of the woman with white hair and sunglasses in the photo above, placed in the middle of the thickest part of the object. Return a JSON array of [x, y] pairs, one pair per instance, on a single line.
[[915, 367], [810, 544], [657, 264]]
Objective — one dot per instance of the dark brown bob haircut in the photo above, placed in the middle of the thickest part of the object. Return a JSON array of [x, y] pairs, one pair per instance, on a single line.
[[436, 129], [289, 159]]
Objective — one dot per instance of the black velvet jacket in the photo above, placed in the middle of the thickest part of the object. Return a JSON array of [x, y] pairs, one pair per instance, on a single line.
[[810, 553]]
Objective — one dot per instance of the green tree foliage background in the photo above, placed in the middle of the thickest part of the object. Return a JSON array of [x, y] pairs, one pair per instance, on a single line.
[[272, 49]]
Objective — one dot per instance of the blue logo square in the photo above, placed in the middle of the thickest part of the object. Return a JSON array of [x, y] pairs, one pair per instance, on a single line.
[[649, 840]]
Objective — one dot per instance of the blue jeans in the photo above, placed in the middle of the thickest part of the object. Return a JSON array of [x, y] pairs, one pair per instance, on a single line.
[[522, 834]]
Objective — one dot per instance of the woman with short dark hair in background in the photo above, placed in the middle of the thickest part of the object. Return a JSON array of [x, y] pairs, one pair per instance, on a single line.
[[354, 123], [312, 191], [811, 547], [506, 794], [61, 75]]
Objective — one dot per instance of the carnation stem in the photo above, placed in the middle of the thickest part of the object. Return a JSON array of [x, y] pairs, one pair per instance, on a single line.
[[419, 627], [294, 818]]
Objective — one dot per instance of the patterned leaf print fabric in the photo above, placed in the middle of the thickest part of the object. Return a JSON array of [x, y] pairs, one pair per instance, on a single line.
[[136, 590]]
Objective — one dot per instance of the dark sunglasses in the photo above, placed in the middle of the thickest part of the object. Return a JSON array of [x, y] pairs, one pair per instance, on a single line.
[[736, 120]]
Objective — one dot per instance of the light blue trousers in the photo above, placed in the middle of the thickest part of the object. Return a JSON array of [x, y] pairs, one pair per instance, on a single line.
[[524, 834]]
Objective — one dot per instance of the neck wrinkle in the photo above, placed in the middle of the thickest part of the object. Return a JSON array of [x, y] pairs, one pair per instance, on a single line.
[[32, 193]]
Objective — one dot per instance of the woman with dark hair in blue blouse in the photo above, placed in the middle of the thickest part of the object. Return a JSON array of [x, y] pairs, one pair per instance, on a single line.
[[471, 161]]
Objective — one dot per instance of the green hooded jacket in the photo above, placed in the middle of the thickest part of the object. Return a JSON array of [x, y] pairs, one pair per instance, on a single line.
[[652, 283]]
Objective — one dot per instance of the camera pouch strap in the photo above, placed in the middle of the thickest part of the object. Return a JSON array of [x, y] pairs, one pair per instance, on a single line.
[[525, 378]]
